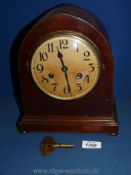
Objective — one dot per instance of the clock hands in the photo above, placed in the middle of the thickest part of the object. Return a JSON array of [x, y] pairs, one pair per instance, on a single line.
[[64, 69]]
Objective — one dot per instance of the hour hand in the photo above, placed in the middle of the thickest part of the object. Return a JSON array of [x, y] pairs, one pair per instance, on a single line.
[[60, 55]]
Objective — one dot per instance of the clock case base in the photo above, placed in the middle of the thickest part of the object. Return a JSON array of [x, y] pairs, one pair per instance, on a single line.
[[80, 124]]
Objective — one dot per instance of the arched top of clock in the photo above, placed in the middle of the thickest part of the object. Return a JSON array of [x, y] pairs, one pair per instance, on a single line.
[[75, 11]]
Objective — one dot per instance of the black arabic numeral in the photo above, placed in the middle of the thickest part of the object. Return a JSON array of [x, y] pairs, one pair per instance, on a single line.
[[66, 90], [50, 47], [92, 67], [54, 86], [87, 78], [77, 47], [44, 79], [43, 56], [79, 86], [40, 68], [63, 44], [86, 55]]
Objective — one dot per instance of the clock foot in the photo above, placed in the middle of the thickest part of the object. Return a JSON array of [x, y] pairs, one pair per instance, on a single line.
[[114, 134], [23, 132]]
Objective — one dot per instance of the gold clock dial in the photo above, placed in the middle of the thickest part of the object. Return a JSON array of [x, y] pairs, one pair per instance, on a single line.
[[66, 65]]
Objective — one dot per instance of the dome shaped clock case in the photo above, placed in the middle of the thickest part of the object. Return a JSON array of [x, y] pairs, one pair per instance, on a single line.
[[66, 74]]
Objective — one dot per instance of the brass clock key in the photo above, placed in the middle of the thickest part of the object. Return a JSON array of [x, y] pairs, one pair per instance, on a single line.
[[49, 144]]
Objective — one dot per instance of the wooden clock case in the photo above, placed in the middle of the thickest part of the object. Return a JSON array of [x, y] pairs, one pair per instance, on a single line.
[[96, 111]]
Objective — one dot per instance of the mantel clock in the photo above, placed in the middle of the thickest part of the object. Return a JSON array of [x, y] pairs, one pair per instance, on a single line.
[[66, 74]]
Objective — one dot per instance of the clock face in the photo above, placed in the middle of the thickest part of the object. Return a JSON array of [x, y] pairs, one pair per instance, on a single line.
[[66, 65]]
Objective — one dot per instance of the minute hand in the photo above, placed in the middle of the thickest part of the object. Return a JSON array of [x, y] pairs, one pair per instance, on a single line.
[[64, 69]]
